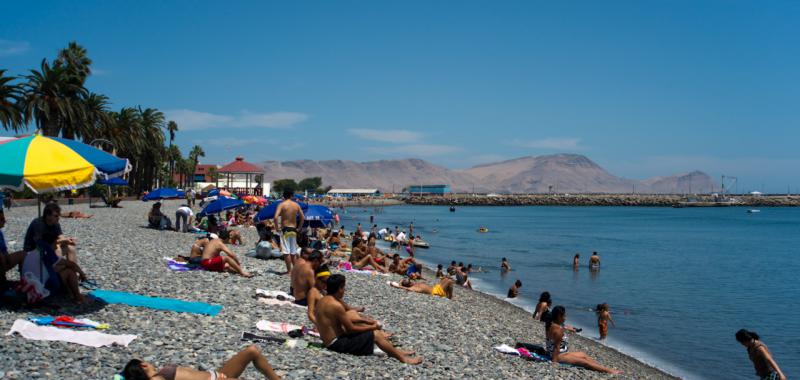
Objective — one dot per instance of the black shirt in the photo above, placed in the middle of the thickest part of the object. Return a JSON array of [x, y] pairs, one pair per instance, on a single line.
[[36, 231]]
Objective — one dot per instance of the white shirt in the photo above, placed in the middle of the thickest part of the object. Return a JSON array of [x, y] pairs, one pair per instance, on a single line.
[[383, 232], [401, 236], [185, 210]]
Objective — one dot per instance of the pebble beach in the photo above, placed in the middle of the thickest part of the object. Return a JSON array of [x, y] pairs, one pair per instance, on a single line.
[[454, 337]]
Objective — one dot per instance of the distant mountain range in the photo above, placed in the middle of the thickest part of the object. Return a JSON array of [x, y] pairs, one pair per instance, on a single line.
[[563, 173]]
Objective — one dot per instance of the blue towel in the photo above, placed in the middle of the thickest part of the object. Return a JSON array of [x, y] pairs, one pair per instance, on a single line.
[[111, 296]]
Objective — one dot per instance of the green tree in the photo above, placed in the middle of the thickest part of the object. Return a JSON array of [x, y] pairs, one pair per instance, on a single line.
[[10, 113], [310, 184], [172, 127], [49, 99], [194, 157], [281, 185]]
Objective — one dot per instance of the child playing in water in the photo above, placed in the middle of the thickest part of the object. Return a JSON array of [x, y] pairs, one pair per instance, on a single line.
[[603, 317]]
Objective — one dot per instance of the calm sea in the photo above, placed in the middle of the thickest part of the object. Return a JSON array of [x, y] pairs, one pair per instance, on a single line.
[[680, 282]]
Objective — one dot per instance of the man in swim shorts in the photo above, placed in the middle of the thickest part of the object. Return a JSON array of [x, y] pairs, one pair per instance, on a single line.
[[513, 291], [289, 218], [213, 260], [594, 261], [443, 289], [303, 277], [340, 334]]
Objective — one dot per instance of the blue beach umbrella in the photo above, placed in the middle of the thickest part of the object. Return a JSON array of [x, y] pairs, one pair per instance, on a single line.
[[116, 181], [318, 216], [213, 192], [164, 193], [220, 205], [269, 211]]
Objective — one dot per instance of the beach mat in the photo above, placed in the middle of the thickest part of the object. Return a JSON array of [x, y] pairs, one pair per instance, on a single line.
[[30, 330], [178, 266], [283, 327], [158, 303]]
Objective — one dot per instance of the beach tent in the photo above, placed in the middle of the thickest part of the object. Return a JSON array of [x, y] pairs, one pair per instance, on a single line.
[[318, 216], [220, 205], [269, 211], [164, 193]]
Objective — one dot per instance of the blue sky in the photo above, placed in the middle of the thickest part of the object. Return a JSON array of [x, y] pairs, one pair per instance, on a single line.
[[644, 88]]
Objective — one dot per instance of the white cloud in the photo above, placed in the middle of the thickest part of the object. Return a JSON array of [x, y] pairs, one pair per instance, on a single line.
[[386, 135], [413, 150], [189, 120], [555, 143], [8, 48]]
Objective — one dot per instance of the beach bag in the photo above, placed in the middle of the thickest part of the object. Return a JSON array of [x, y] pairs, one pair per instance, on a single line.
[[264, 250]]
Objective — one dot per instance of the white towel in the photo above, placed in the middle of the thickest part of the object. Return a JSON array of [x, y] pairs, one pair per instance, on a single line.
[[506, 349], [273, 294], [273, 302], [280, 327], [31, 331]]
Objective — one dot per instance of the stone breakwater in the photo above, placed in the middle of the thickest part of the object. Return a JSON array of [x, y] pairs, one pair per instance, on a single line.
[[642, 200], [455, 338]]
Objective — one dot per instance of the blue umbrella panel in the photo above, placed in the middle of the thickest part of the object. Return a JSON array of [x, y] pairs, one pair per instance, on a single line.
[[220, 205]]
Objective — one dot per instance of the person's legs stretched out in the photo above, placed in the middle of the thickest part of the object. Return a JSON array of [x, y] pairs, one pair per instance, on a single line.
[[235, 366], [391, 350]]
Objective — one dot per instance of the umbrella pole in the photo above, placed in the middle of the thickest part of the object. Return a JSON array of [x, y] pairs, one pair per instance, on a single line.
[[39, 204]]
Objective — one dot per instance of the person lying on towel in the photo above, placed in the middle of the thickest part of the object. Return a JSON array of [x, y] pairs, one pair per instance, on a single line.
[[340, 334], [137, 369], [443, 289]]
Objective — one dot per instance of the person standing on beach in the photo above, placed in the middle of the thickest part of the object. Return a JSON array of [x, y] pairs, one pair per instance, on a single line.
[[765, 366], [289, 218], [513, 291], [603, 317], [340, 334], [594, 261]]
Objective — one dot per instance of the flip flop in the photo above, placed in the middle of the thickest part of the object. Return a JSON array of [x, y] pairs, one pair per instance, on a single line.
[[89, 285]]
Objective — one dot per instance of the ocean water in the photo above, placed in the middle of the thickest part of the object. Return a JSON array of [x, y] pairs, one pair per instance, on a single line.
[[680, 282]]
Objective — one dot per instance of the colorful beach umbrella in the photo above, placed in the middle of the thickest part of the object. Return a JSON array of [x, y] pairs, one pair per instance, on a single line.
[[116, 181], [220, 205], [164, 193], [47, 164], [269, 211]]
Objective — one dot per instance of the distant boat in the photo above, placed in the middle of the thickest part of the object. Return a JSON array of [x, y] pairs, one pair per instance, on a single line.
[[483, 230], [753, 211], [452, 209]]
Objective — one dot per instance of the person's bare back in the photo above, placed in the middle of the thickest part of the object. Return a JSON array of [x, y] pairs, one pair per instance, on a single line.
[[329, 312], [286, 215], [302, 279]]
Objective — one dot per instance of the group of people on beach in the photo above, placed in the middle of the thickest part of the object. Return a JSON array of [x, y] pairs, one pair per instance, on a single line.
[[309, 257]]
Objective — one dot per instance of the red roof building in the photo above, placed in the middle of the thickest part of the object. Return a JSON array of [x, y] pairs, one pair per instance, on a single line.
[[240, 166]]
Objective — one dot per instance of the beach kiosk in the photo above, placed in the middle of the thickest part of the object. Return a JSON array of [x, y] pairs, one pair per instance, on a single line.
[[242, 178]]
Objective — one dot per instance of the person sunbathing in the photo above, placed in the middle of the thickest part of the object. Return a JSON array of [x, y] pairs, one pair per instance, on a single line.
[[302, 276], [340, 334], [360, 259], [213, 260], [443, 289], [558, 346], [76, 215], [318, 291], [137, 369], [405, 267]]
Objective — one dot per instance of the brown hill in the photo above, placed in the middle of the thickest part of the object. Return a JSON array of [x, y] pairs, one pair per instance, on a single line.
[[563, 173]]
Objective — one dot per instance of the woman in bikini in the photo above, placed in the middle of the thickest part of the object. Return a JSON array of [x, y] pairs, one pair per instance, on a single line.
[[603, 317], [557, 344], [233, 368]]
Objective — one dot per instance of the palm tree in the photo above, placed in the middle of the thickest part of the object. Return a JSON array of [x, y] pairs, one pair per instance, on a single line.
[[96, 118], [194, 157], [10, 113], [172, 127], [75, 59], [45, 99]]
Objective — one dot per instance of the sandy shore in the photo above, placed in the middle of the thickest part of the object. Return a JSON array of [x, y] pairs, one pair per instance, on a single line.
[[454, 337]]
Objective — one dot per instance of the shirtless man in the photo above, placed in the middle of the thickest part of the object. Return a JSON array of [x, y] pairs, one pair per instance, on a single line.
[[443, 289], [213, 260], [340, 334], [302, 277], [318, 291], [594, 261], [289, 218], [513, 291]]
